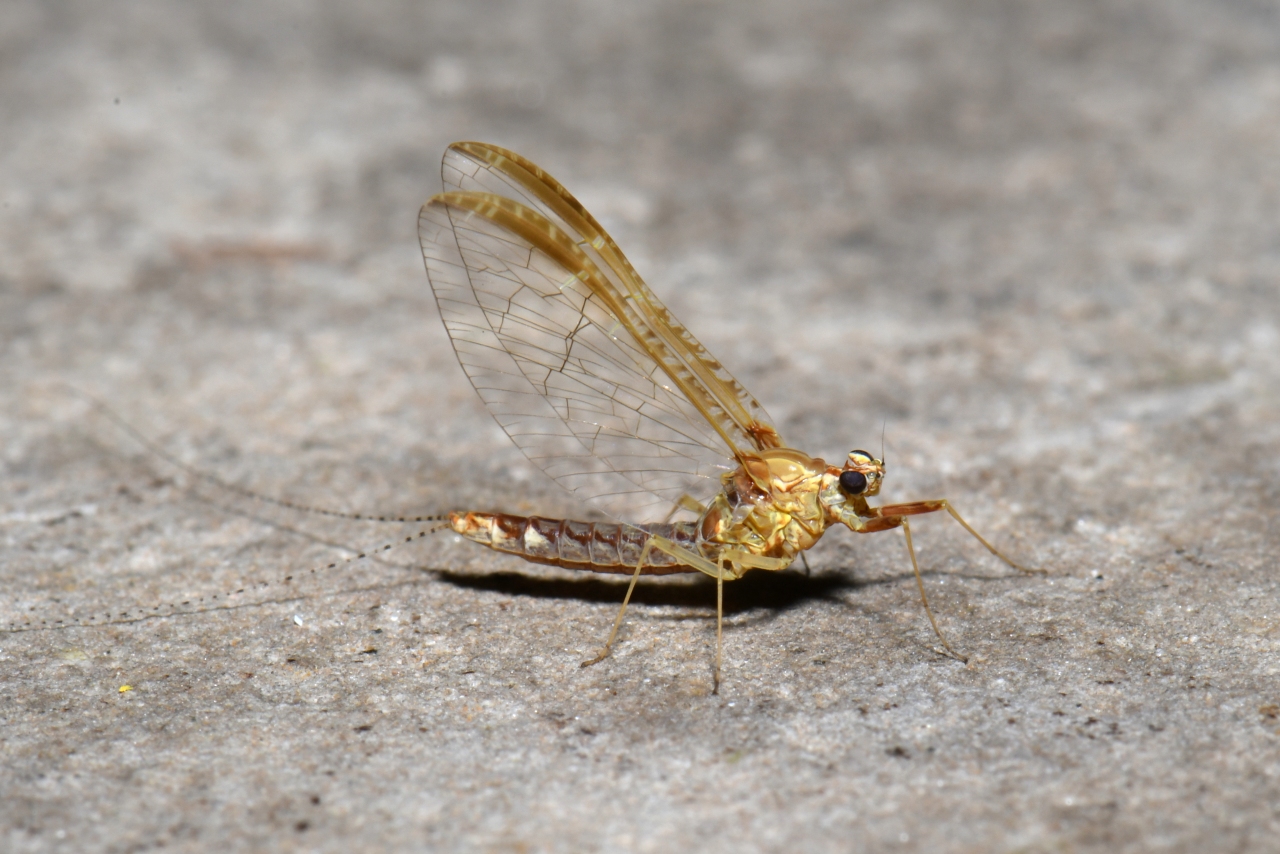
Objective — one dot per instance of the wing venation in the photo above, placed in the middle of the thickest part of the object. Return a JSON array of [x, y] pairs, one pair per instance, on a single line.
[[480, 167], [579, 363]]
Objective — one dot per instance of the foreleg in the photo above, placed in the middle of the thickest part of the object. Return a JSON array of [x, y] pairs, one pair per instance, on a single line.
[[895, 516], [887, 523], [915, 508]]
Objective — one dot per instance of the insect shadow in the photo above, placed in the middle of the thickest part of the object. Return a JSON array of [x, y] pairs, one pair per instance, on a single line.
[[779, 591], [755, 600]]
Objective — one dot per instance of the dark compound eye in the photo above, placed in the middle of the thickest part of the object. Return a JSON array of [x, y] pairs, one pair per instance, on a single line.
[[853, 482]]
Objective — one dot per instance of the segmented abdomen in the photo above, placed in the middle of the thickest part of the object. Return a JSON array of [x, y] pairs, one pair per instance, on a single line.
[[593, 546]]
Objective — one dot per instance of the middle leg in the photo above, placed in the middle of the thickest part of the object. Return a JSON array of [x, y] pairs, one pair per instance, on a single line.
[[924, 600]]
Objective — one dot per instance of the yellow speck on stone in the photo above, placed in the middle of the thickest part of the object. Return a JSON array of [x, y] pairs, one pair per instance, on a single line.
[[125, 688]]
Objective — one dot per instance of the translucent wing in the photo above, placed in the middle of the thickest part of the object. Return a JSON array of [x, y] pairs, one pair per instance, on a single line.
[[480, 167], [589, 379]]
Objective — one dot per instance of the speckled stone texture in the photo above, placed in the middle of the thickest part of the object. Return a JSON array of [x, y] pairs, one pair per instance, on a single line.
[[1039, 243]]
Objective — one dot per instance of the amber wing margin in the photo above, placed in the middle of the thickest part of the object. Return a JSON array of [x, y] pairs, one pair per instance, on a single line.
[[532, 227], [574, 391], [736, 414]]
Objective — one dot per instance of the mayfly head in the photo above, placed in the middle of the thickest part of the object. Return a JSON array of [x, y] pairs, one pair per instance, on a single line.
[[862, 474]]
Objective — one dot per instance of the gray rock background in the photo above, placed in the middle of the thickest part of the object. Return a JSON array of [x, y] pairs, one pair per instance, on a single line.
[[1039, 242]]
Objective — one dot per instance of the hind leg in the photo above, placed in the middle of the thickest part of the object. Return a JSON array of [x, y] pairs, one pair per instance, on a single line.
[[681, 554], [739, 562]]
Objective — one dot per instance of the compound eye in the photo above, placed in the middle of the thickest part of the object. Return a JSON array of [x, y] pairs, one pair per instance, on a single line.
[[865, 456], [853, 482]]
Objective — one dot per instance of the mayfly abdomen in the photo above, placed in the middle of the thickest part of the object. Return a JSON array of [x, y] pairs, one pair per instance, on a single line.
[[592, 546]]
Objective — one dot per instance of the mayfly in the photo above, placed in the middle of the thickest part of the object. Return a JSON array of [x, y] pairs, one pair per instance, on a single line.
[[608, 393]]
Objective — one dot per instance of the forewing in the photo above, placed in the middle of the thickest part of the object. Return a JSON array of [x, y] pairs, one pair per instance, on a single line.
[[557, 366], [735, 413]]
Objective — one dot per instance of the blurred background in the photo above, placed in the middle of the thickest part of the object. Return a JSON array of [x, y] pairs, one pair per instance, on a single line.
[[995, 194], [1037, 243]]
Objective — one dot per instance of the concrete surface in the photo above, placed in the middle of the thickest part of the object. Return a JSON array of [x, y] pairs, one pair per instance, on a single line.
[[1039, 242]]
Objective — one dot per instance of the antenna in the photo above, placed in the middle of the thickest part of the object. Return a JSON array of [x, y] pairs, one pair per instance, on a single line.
[[154, 448]]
